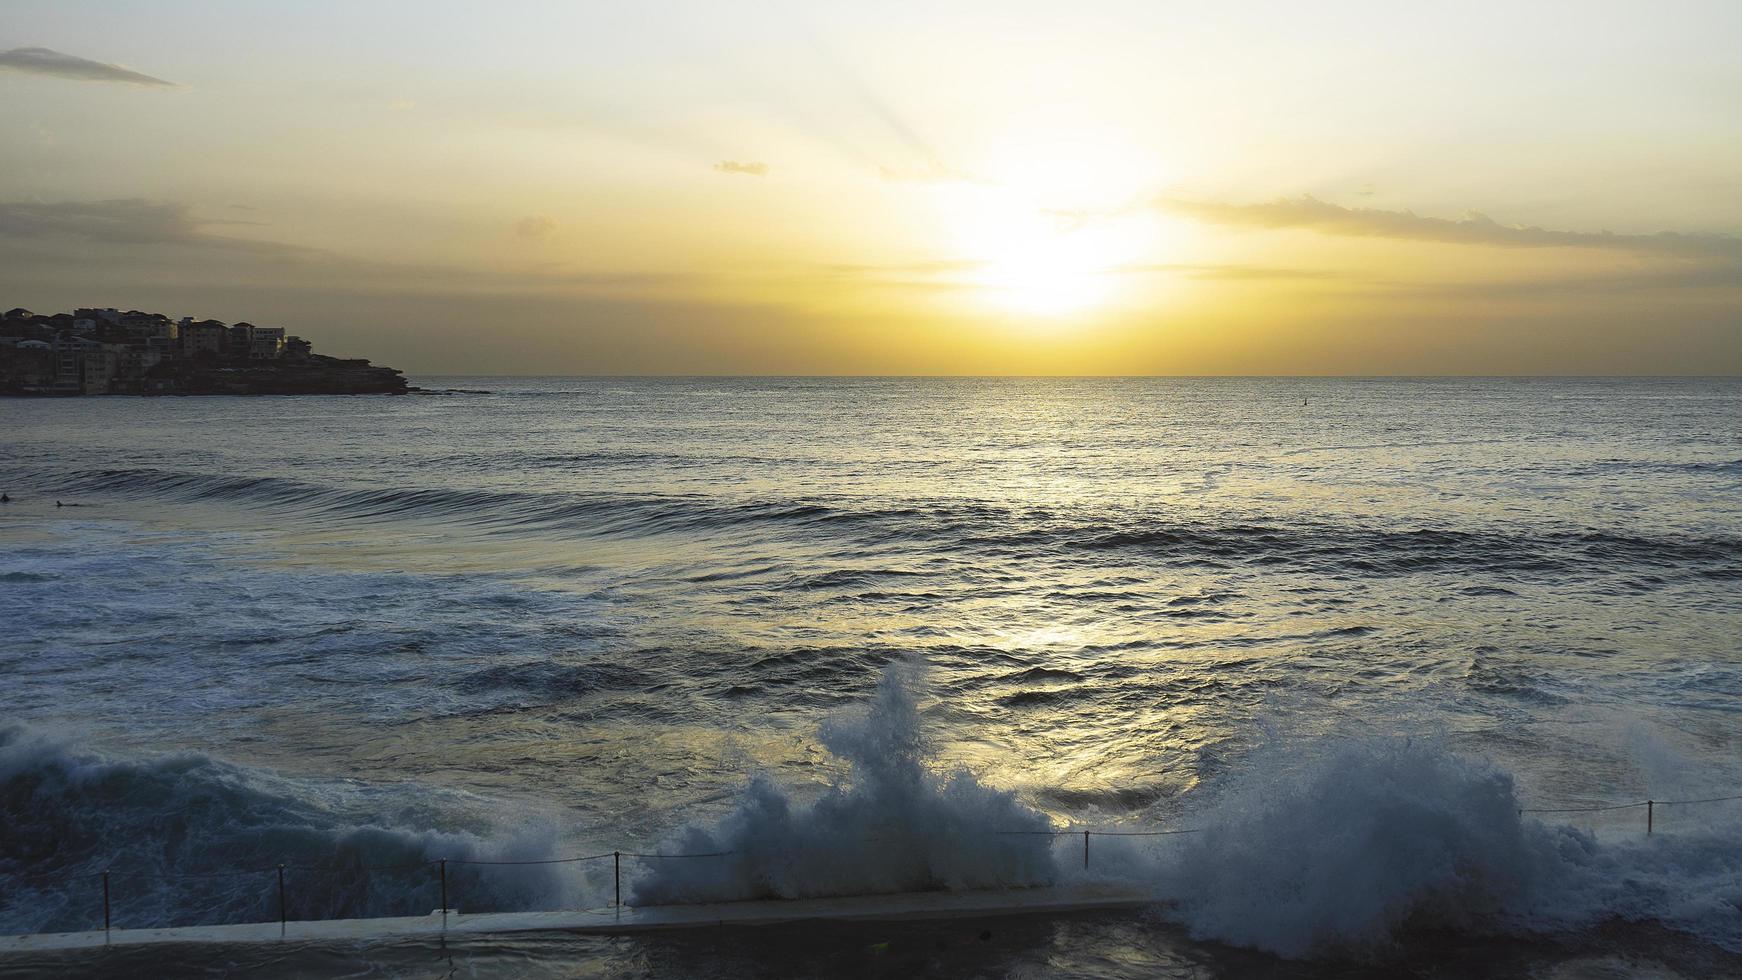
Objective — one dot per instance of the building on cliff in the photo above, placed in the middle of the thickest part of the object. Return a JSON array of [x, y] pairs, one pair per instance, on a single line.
[[103, 351]]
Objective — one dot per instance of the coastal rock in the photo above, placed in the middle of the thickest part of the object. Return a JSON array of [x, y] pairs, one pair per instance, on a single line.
[[316, 374]]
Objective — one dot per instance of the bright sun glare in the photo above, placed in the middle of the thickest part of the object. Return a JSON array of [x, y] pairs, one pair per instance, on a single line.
[[1044, 272], [1050, 234]]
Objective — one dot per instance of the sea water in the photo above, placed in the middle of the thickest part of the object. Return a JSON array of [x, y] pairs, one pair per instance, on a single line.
[[861, 635]]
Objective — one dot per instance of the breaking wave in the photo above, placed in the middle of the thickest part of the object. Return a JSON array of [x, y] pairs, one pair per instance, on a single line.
[[892, 825], [1356, 845], [173, 830], [1330, 847]]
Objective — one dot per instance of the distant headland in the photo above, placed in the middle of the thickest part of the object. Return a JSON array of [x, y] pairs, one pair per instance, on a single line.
[[110, 352]]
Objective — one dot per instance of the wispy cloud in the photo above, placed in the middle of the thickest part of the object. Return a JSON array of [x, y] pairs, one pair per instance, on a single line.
[[921, 275], [1474, 228], [130, 221], [748, 168], [1700, 276], [960, 273], [54, 232], [1241, 273], [923, 267], [42, 61], [1670, 275], [535, 226]]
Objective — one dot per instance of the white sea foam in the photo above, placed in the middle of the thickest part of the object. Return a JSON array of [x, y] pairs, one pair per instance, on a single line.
[[1348, 844], [1329, 845], [894, 824], [175, 830]]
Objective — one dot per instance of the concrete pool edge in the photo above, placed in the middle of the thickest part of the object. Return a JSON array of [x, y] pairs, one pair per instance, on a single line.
[[613, 920]]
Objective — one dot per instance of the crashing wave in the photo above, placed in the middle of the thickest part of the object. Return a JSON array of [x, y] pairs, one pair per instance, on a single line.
[[893, 824], [1351, 845], [175, 829]]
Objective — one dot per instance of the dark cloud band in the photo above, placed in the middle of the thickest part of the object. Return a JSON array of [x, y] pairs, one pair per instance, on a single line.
[[1474, 228], [42, 61]]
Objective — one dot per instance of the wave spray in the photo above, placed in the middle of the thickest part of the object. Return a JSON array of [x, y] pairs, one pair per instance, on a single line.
[[892, 824]]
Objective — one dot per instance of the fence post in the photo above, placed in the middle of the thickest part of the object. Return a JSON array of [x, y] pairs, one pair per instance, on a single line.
[[105, 905], [617, 876], [444, 873], [1650, 805], [1085, 850], [282, 917]]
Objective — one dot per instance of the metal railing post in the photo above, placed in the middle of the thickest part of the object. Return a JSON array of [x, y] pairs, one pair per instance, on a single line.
[[1053, 834]]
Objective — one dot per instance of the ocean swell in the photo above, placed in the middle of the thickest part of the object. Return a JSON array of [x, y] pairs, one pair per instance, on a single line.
[[951, 526]]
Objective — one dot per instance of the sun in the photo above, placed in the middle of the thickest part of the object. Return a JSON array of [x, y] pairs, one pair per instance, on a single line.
[[1044, 273], [1049, 240]]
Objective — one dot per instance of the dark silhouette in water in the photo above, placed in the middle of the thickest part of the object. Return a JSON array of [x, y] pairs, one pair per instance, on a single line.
[[5, 498]]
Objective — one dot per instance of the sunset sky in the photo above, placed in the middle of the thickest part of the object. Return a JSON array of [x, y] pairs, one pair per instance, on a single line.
[[893, 188]]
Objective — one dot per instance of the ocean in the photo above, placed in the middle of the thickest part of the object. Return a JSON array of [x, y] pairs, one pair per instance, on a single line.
[[851, 634]]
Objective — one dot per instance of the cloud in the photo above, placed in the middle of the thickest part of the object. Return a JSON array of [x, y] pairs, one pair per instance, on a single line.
[[129, 221], [1677, 276], [42, 61], [1242, 273], [156, 234], [748, 169], [961, 273], [920, 276], [535, 226], [1673, 275], [1474, 228], [923, 267]]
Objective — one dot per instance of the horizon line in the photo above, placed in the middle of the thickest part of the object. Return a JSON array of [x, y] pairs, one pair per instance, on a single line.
[[1109, 377]]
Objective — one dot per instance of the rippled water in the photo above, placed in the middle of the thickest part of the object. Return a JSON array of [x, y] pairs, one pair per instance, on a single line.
[[572, 615]]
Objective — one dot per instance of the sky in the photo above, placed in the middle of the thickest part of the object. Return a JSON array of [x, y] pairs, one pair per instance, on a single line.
[[892, 188]]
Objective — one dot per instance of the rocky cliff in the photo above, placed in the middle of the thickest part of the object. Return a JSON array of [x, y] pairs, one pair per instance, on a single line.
[[315, 374]]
